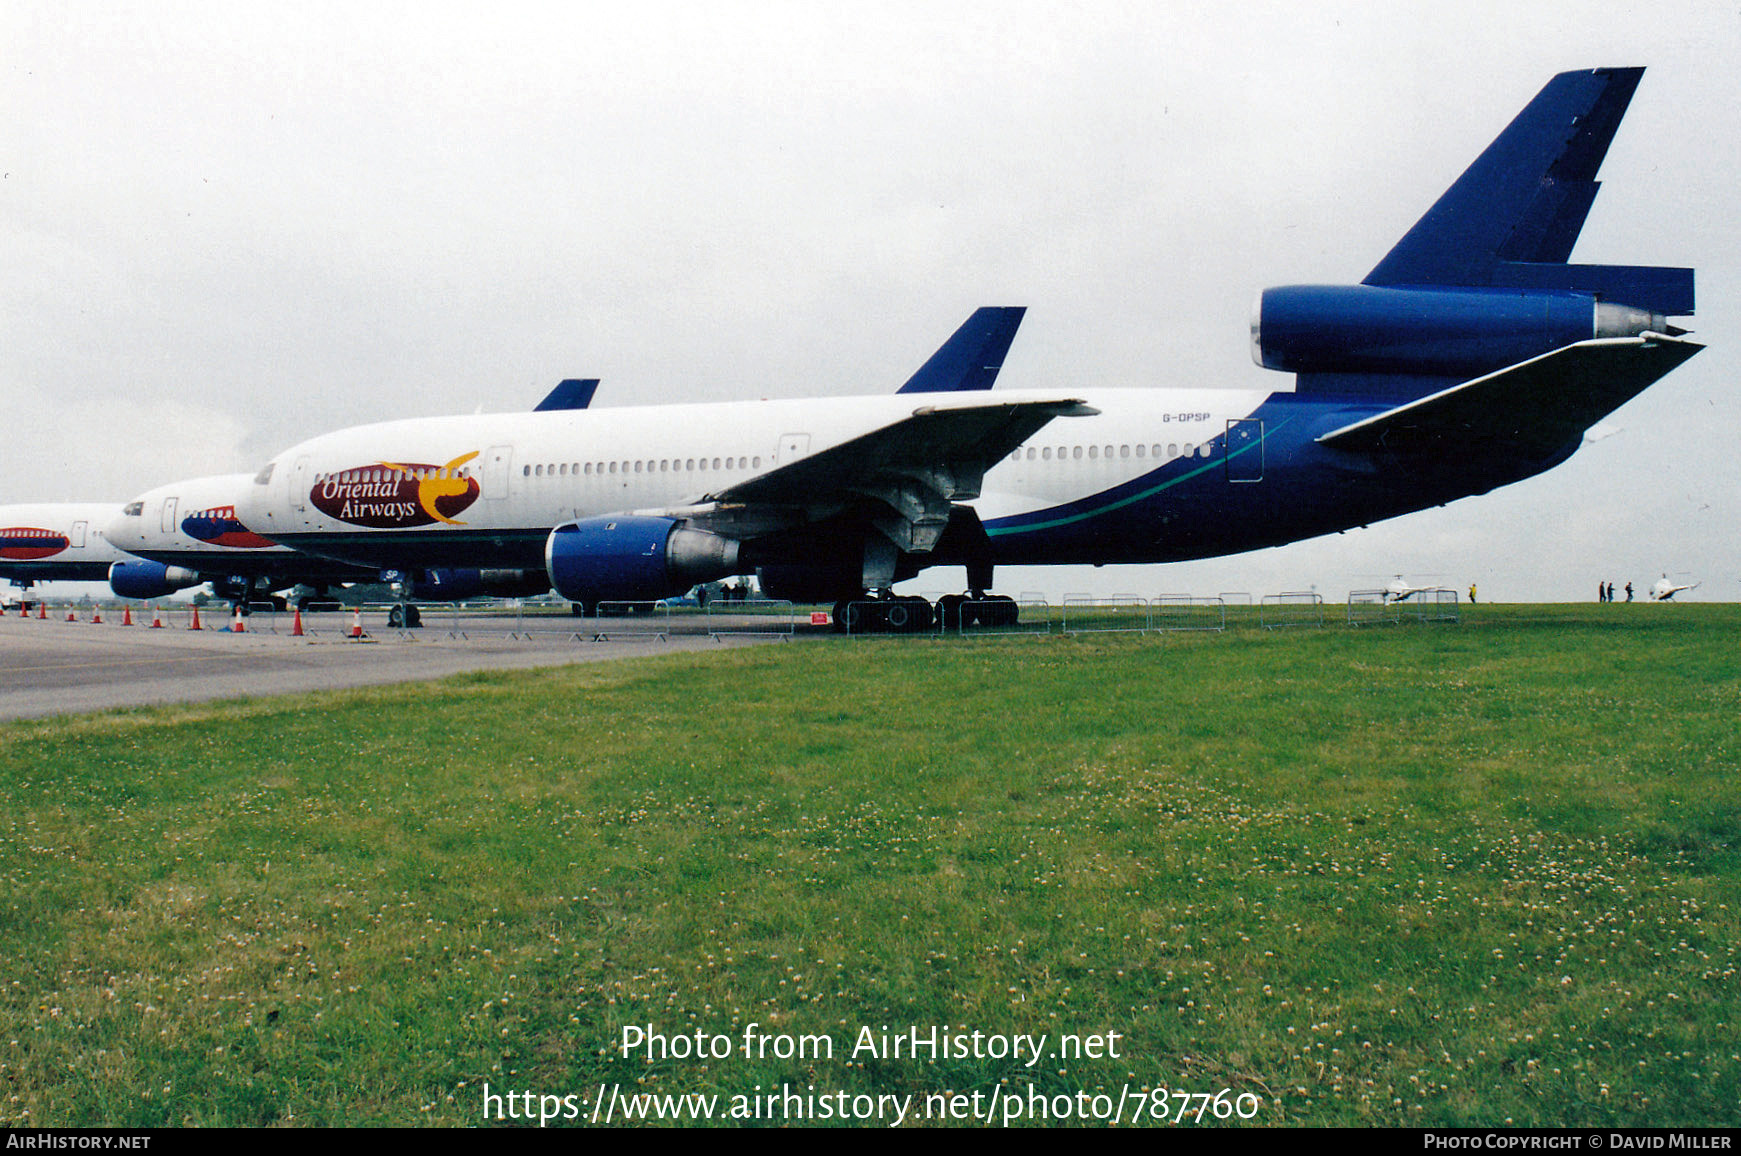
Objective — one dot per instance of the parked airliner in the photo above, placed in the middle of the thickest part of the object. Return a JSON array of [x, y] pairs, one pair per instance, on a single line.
[[1472, 356], [57, 542], [188, 532]]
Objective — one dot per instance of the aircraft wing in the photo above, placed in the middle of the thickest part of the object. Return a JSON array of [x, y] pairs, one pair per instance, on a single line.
[[1537, 406], [908, 473]]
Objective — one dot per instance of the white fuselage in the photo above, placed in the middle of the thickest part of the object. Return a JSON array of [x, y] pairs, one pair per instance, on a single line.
[[57, 541], [348, 494]]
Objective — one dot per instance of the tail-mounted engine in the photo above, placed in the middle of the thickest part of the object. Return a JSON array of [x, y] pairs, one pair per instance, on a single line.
[[1437, 332]]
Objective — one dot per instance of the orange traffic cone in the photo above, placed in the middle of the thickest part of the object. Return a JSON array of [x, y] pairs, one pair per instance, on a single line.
[[156, 618], [42, 612], [194, 625], [71, 616], [126, 616], [357, 624], [296, 624], [97, 616], [238, 624]]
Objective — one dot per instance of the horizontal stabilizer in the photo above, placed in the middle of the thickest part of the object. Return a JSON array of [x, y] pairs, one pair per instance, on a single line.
[[575, 393], [1535, 407], [1663, 289], [970, 359]]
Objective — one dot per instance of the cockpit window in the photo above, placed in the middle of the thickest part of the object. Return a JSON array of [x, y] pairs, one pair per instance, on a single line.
[[265, 475], [133, 509]]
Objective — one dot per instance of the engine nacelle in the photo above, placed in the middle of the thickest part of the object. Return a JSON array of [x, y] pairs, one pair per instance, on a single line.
[[632, 558], [149, 579], [450, 585], [1438, 332]]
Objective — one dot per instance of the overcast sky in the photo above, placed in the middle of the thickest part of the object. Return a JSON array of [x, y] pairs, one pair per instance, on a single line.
[[230, 227]]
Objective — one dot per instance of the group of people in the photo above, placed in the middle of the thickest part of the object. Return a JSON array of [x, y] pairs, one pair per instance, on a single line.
[[1605, 592]]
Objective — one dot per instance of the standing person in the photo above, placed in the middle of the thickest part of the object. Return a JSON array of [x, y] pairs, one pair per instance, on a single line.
[[1629, 592], [1471, 593]]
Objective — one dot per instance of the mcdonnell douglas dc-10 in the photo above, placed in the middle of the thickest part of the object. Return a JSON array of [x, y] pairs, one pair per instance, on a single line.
[[1472, 356]]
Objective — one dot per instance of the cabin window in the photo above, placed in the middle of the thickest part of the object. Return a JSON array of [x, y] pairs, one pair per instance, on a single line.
[[1093, 452], [1076, 453]]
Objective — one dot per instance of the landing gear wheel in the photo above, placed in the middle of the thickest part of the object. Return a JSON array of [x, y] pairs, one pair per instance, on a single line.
[[908, 615], [864, 617]]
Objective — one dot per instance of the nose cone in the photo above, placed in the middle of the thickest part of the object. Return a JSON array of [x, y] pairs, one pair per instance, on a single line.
[[125, 529]]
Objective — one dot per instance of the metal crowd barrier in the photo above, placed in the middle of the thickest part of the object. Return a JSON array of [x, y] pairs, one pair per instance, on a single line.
[[755, 617], [1186, 612], [1094, 614], [1370, 607], [1291, 608]]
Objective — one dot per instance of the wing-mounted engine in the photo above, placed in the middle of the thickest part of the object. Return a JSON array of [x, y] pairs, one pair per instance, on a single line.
[[149, 579], [633, 558]]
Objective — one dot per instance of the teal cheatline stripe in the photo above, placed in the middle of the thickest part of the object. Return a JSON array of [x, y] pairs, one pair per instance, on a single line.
[[1071, 519]]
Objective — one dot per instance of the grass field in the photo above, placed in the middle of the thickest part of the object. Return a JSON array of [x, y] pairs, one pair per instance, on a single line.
[[1484, 873]]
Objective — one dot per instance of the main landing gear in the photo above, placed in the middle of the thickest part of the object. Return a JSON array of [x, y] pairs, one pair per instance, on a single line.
[[887, 613]]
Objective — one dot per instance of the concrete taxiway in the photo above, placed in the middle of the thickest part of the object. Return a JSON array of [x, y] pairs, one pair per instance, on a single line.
[[52, 666]]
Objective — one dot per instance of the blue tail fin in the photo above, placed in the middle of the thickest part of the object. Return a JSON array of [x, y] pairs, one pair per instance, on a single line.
[[574, 393], [971, 358], [1510, 221]]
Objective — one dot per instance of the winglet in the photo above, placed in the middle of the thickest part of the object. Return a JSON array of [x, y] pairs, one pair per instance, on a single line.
[[1511, 219], [575, 393], [970, 359]]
